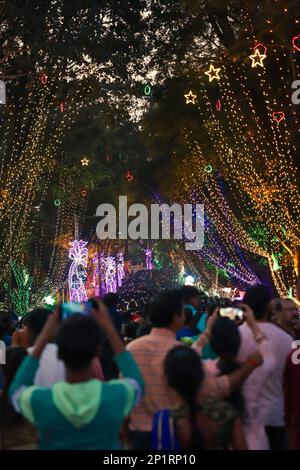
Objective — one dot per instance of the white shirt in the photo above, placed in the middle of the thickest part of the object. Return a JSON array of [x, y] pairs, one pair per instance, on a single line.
[[51, 369], [264, 385]]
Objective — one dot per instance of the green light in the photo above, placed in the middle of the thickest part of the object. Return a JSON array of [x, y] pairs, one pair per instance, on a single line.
[[49, 300], [208, 169], [147, 90], [57, 202]]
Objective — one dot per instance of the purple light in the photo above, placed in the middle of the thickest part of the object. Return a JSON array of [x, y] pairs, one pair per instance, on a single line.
[[110, 274], [149, 264], [120, 268], [78, 254]]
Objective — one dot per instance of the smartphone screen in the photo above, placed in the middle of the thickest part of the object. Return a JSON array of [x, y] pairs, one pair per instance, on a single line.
[[69, 309], [234, 313]]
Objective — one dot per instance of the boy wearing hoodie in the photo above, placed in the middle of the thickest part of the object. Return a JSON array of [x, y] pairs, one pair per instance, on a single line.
[[80, 413]]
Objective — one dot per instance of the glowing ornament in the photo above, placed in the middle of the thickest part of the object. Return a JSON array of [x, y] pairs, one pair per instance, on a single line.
[[259, 46], [120, 268], [147, 90], [208, 169], [190, 98], [61, 106], [83, 192], [110, 274], [49, 300], [44, 79], [2, 92], [257, 59], [129, 176], [77, 276], [218, 105], [213, 73], [278, 116], [85, 161], [296, 42], [57, 202]]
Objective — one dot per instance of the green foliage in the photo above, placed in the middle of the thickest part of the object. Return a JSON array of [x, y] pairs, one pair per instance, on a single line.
[[19, 296]]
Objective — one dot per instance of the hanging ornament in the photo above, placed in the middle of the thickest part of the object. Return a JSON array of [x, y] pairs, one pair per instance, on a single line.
[[218, 105], [261, 48], [190, 97], [129, 176], [44, 78], [257, 58], [85, 161], [278, 116], [208, 169], [213, 73], [57, 202], [296, 42], [83, 192], [61, 106], [108, 158], [147, 90]]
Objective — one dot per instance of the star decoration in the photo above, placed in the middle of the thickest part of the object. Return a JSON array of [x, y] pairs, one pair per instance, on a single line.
[[257, 58], [85, 161], [190, 97], [213, 73]]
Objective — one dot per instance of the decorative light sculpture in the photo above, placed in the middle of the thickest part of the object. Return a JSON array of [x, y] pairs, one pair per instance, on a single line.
[[120, 268], [78, 253], [110, 274], [149, 264]]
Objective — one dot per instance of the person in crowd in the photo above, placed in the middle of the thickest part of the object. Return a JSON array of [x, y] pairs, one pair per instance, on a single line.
[[51, 370], [225, 340], [285, 314], [20, 335], [188, 333], [167, 317], [263, 390], [208, 352], [191, 298], [80, 413], [143, 330], [194, 423], [111, 300], [291, 386], [6, 328], [17, 432], [130, 331]]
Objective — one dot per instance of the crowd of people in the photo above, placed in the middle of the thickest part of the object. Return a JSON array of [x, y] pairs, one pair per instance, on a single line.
[[174, 375]]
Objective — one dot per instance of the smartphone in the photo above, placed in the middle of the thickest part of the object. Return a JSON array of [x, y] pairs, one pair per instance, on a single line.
[[85, 308], [234, 313]]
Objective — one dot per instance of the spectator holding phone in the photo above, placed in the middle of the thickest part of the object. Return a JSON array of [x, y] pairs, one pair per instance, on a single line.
[[80, 413]]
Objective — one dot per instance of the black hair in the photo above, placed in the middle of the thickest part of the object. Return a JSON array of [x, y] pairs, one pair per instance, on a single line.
[[164, 308], [35, 321], [130, 329], [258, 298], [225, 340], [78, 339], [2, 329], [144, 330], [184, 373], [14, 357], [111, 299], [188, 292], [188, 313]]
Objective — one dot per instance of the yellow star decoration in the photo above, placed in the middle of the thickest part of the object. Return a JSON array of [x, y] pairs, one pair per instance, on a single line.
[[213, 73], [85, 161], [257, 58], [190, 97]]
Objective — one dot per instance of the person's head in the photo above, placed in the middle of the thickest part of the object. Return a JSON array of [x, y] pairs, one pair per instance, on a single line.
[[190, 295], [184, 373], [258, 298], [2, 329], [225, 338], [111, 300], [6, 322], [130, 330], [35, 321], [166, 311], [78, 340], [285, 313]]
